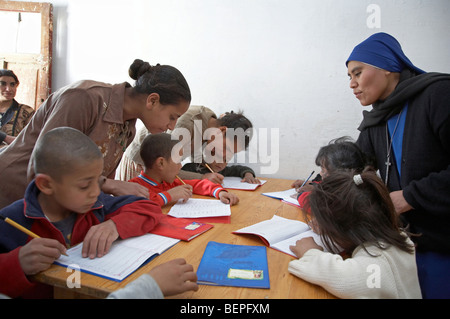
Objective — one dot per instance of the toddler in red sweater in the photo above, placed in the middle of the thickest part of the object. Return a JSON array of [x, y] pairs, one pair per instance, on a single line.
[[158, 153]]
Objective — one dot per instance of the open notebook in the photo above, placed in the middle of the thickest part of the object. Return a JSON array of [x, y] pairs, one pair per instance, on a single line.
[[279, 233], [232, 182], [285, 196], [206, 210], [124, 257]]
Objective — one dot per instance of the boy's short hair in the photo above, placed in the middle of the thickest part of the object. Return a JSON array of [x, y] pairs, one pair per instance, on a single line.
[[156, 145], [60, 149]]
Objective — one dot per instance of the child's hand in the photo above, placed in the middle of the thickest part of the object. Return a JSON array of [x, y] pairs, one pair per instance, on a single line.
[[307, 188], [99, 239], [39, 254], [228, 198], [303, 245], [214, 177], [249, 178], [183, 192], [175, 277]]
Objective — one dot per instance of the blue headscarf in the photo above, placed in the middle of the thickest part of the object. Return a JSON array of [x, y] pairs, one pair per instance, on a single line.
[[383, 51]]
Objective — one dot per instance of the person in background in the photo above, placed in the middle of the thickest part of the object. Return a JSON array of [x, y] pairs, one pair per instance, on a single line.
[[194, 123], [13, 116], [107, 114], [408, 133]]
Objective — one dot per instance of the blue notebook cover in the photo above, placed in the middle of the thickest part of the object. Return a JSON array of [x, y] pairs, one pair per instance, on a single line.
[[234, 265]]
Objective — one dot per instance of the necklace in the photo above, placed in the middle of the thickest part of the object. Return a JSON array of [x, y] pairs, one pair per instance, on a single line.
[[389, 147]]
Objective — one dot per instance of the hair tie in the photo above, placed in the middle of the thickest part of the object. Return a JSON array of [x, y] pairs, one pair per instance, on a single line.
[[358, 179]]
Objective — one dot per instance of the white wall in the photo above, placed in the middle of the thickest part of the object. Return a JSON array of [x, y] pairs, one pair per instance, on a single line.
[[281, 61]]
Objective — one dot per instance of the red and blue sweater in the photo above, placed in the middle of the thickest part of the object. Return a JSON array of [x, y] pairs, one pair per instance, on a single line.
[[133, 216], [158, 191]]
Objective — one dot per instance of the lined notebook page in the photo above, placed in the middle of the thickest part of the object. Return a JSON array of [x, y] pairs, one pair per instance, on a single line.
[[124, 257], [197, 208]]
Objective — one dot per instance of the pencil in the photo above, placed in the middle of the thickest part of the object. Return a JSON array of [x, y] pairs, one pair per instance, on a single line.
[[207, 166], [307, 180], [21, 228], [180, 180]]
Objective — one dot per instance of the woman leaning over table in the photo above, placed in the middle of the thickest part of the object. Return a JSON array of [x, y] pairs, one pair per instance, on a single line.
[[13, 116], [107, 114], [408, 132]]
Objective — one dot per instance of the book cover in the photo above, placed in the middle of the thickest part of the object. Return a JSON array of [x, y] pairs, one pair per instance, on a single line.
[[234, 265], [180, 228]]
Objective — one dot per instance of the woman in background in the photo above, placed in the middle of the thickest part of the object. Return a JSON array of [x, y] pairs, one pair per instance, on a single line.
[[13, 116]]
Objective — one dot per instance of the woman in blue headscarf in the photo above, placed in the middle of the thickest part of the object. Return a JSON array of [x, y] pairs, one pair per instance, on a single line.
[[408, 133]]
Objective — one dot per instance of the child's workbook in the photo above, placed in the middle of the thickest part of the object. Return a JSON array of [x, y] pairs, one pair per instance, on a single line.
[[208, 210], [234, 265], [124, 257], [285, 196], [279, 233], [232, 182], [180, 228]]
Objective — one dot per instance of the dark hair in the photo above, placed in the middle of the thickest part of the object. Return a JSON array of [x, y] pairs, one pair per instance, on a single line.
[[342, 153], [156, 145], [237, 121], [348, 215], [58, 150], [165, 80], [4, 72]]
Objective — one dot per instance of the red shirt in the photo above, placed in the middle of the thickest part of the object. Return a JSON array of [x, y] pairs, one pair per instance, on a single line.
[[158, 191]]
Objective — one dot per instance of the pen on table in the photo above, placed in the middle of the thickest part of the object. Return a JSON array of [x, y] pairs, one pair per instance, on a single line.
[[306, 180], [21, 228], [181, 180]]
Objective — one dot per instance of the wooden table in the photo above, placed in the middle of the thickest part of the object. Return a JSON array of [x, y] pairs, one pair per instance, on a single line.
[[252, 208]]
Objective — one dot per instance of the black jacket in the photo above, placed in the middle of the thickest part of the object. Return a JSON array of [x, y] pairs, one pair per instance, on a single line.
[[425, 178]]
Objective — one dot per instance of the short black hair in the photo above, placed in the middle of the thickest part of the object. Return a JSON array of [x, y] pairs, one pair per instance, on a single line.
[[342, 153], [60, 149], [156, 145]]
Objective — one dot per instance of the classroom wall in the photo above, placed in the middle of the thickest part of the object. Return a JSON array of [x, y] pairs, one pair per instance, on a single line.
[[281, 61]]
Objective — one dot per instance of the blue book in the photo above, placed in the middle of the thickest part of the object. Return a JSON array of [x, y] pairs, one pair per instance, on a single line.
[[234, 265]]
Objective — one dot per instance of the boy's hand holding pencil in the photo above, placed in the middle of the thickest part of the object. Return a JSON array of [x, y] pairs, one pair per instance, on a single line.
[[39, 254]]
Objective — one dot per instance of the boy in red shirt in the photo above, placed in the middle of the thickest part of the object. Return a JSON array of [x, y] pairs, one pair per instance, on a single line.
[[160, 175]]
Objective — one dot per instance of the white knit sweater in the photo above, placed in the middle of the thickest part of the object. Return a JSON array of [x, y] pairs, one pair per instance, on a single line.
[[392, 274]]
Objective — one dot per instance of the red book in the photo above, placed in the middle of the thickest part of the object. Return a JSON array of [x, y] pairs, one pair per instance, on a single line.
[[180, 228]]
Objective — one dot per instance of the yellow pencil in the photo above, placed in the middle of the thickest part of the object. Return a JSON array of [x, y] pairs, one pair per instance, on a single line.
[[181, 180], [207, 166], [21, 228]]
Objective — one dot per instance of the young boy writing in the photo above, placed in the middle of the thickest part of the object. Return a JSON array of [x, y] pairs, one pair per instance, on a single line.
[[160, 175], [64, 206]]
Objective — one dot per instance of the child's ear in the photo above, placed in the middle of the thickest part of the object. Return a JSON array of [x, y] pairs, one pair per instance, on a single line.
[[160, 163], [45, 183], [223, 129]]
